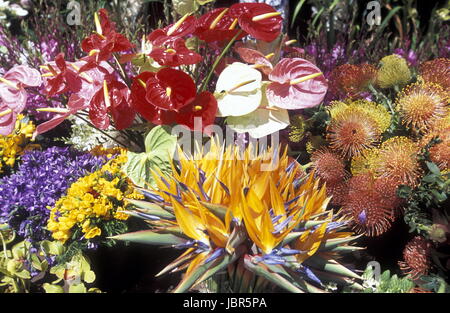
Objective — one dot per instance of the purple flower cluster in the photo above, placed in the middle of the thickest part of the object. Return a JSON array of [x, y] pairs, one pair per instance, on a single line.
[[41, 179]]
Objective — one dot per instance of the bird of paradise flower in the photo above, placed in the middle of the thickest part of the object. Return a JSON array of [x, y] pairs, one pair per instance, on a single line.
[[259, 228]]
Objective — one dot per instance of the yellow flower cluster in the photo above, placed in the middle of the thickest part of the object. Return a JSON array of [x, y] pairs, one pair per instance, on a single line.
[[15, 144], [96, 197]]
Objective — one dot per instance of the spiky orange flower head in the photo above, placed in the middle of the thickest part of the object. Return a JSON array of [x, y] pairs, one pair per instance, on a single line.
[[329, 166], [352, 131], [439, 152], [338, 192], [371, 203], [422, 104], [349, 80], [416, 257], [436, 71], [397, 160]]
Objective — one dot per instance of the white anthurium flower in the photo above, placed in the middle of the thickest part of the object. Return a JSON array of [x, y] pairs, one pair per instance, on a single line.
[[265, 120], [238, 90]]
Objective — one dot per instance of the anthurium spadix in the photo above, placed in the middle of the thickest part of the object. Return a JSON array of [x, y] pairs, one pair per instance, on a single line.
[[296, 84], [238, 90], [265, 120]]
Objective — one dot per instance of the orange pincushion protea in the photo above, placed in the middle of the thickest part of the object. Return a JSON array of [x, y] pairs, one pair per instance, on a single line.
[[350, 80], [352, 132], [422, 104], [436, 71], [397, 160], [440, 152], [371, 203], [417, 257]]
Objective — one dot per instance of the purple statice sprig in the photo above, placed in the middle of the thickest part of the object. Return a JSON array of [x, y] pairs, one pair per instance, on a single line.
[[41, 179]]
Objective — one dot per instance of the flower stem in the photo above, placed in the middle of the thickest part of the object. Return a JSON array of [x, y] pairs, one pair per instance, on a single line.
[[101, 131], [224, 51]]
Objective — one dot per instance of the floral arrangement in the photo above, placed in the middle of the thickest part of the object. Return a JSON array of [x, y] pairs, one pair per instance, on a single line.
[[270, 166]]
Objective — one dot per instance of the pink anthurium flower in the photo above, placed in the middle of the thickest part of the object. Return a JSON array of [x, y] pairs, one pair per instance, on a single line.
[[13, 96], [296, 84], [12, 86], [7, 120], [75, 104]]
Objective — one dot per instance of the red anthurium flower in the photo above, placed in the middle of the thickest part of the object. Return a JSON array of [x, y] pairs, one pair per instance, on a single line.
[[112, 98], [201, 112], [104, 42], [255, 57], [217, 25], [170, 89], [150, 112], [183, 27], [172, 51], [296, 84], [260, 20], [60, 77]]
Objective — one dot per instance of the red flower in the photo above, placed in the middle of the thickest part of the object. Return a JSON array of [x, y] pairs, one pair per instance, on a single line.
[[296, 84], [217, 25], [253, 56], [146, 109], [260, 20], [112, 98], [200, 112], [170, 89], [63, 81], [103, 43], [171, 51], [184, 27]]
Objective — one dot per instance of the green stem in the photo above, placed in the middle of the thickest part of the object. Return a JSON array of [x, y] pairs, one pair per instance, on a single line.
[[224, 51]]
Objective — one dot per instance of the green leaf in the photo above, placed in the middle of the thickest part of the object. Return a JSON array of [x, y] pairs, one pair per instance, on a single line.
[[297, 11], [49, 288], [433, 168], [151, 238], [78, 288], [159, 148]]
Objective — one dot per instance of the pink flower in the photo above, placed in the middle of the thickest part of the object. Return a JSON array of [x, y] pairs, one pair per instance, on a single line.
[[296, 84], [13, 96], [75, 104]]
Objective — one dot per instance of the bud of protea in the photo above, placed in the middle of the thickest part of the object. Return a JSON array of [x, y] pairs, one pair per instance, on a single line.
[[394, 71], [297, 128], [417, 257], [438, 233], [329, 166], [436, 71]]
